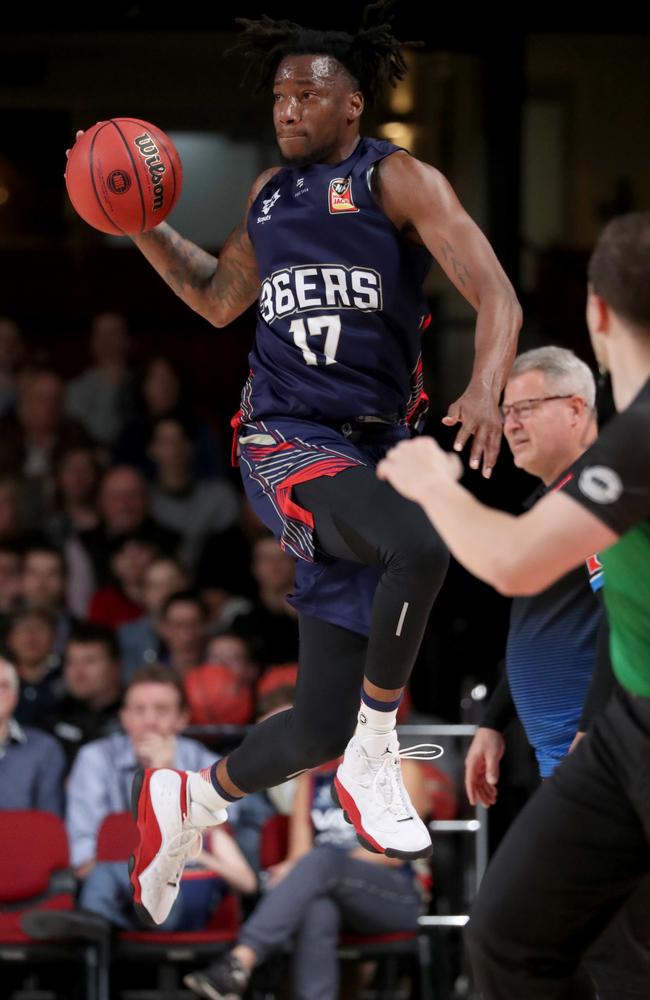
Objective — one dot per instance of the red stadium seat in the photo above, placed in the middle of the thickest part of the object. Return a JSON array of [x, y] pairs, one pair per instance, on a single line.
[[34, 874]]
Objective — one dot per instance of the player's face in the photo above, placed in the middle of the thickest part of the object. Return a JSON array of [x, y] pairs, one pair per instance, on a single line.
[[314, 105], [542, 430]]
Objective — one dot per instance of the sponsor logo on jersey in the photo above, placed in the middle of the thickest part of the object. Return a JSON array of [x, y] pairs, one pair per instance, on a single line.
[[340, 196], [600, 484], [267, 205], [595, 570], [300, 187], [322, 286]]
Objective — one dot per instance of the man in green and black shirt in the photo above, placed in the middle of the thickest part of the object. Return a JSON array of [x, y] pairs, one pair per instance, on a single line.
[[581, 846]]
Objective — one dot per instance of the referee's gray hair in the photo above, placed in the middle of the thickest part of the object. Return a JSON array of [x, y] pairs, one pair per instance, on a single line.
[[563, 368], [11, 670]]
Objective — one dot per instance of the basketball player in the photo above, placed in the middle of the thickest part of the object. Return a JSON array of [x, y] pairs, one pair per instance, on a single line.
[[581, 846], [334, 246]]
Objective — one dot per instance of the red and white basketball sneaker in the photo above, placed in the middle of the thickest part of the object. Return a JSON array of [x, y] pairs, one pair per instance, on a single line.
[[170, 835], [369, 788]]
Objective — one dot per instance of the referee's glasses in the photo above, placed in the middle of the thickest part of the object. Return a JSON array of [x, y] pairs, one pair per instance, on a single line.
[[523, 408]]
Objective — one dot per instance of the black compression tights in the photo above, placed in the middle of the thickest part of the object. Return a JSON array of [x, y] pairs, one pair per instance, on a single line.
[[363, 520]]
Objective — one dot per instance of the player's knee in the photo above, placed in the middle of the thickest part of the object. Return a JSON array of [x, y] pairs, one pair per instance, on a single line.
[[424, 555]]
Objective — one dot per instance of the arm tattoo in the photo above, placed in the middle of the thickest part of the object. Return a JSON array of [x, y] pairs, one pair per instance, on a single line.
[[227, 285], [188, 267], [460, 269], [237, 282]]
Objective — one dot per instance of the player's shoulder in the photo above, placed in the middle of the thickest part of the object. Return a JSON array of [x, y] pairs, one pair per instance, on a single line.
[[261, 181], [400, 176]]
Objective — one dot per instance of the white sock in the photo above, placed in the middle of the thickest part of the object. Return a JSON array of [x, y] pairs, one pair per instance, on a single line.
[[203, 798], [371, 721]]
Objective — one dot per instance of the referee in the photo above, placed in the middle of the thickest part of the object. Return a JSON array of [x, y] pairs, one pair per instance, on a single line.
[[581, 846]]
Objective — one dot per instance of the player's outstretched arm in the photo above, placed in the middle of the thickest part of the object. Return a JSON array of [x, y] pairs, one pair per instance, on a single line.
[[516, 555], [421, 202], [219, 289]]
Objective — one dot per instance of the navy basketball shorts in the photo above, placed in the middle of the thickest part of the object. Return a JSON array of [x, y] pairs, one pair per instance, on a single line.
[[275, 456]]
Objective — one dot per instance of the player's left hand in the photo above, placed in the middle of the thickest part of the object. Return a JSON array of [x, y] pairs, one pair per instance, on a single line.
[[413, 467], [478, 412]]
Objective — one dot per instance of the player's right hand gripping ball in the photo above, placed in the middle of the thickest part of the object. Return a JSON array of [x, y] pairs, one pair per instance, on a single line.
[[124, 176]]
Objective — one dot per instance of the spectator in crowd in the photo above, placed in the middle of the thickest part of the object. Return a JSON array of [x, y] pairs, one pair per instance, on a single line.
[[122, 601], [101, 397], [327, 884], [92, 677], [32, 765], [75, 504], [10, 578], [153, 715], [140, 641], [43, 588], [32, 440], [183, 628], [271, 626], [30, 641], [124, 510], [12, 354], [193, 507], [234, 652], [164, 394]]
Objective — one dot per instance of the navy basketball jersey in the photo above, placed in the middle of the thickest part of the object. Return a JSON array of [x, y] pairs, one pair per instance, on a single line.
[[341, 307]]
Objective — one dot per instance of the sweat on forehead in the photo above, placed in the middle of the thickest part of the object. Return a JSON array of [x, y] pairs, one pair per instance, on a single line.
[[317, 68]]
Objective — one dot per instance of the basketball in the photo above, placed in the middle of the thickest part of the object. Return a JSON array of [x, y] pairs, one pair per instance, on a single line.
[[123, 176]]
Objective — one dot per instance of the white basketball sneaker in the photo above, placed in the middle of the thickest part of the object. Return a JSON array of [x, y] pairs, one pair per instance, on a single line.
[[369, 788], [170, 827]]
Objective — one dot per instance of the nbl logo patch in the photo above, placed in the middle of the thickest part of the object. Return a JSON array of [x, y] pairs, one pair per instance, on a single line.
[[340, 196], [119, 181]]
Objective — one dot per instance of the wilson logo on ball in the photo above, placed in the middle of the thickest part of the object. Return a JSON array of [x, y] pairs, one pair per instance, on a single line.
[[149, 151], [119, 181]]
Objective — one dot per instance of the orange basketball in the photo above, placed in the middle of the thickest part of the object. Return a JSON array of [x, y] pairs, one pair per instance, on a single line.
[[124, 176], [217, 696]]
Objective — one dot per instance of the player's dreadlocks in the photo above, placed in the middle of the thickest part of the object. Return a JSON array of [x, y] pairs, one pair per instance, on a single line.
[[373, 56]]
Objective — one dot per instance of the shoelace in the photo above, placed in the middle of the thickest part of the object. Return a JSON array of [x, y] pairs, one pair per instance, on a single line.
[[180, 846], [389, 772]]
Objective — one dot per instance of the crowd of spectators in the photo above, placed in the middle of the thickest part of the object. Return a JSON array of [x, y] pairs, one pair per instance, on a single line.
[[139, 596]]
